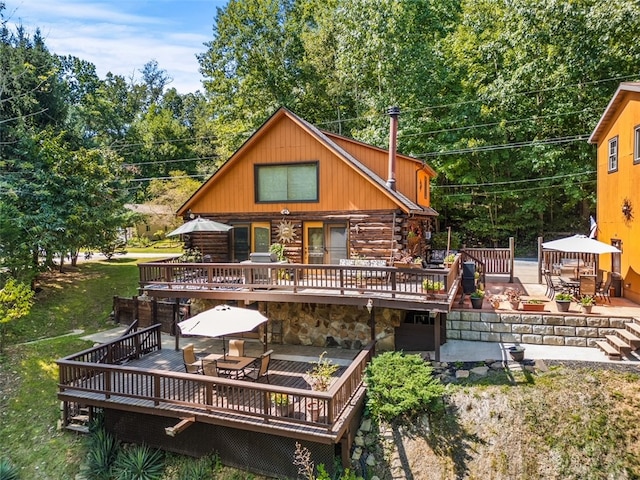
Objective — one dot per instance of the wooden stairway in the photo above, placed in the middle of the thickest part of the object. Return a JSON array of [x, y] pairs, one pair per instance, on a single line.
[[622, 342]]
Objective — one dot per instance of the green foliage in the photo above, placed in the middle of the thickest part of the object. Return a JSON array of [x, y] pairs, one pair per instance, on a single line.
[[563, 297], [477, 293], [587, 300], [432, 285], [16, 300], [8, 471], [401, 386], [138, 462], [321, 373], [279, 250], [103, 451]]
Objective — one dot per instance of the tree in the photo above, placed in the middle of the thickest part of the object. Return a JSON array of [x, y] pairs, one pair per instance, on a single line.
[[16, 300]]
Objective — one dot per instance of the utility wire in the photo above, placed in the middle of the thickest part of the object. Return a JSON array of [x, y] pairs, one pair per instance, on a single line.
[[491, 184]]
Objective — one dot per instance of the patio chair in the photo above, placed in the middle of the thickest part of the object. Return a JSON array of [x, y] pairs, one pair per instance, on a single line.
[[262, 371], [236, 348], [603, 289], [210, 368], [587, 285], [191, 363], [553, 287]]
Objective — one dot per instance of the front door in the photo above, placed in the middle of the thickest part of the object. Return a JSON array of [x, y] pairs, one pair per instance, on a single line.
[[314, 243], [325, 243]]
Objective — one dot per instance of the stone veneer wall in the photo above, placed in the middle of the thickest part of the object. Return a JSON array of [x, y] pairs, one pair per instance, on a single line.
[[334, 325], [321, 325], [514, 327]]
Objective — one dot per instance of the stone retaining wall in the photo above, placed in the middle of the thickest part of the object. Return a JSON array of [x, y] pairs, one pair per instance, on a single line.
[[515, 327]]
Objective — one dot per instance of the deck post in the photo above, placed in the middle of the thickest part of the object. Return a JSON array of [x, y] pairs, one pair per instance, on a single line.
[[176, 330], [436, 334], [512, 252]]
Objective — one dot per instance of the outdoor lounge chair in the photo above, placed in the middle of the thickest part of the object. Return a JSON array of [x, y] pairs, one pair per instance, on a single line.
[[236, 348], [262, 370], [191, 363], [210, 368], [603, 289], [553, 287]]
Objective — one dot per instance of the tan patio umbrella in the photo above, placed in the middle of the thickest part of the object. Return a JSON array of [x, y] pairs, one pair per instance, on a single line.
[[222, 320], [200, 225], [580, 244]]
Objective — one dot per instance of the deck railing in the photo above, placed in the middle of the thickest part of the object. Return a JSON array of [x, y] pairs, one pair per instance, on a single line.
[[404, 282], [82, 377]]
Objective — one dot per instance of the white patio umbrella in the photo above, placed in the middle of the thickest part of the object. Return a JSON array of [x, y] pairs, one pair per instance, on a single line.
[[200, 225], [580, 244], [220, 321]]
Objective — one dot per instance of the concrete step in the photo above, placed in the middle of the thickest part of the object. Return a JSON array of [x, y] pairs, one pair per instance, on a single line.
[[608, 349], [619, 344], [633, 327], [632, 339]]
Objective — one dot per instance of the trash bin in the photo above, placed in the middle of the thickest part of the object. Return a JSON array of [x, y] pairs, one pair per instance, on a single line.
[[468, 277], [616, 284]]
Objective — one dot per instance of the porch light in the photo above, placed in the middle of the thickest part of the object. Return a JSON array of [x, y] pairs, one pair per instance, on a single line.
[[370, 305]]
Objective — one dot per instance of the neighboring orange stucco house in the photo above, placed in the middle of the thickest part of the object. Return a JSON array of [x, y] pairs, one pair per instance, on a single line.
[[617, 136]]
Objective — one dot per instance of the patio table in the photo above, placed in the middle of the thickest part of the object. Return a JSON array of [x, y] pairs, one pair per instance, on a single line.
[[234, 365], [573, 285]]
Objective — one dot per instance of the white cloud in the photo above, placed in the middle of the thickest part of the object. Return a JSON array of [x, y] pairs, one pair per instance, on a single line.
[[117, 38]]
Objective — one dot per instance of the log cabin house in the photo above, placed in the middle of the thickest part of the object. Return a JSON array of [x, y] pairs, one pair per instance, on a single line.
[[349, 217]]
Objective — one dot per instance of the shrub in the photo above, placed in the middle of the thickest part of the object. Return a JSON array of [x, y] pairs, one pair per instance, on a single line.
[[8, 471], [138, 463], [401, 386], [103, 449]]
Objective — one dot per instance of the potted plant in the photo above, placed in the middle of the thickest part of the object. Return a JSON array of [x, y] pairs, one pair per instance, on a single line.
[[495, 301], [533, 305], [449, 259], [563, 301], [586, 303], [430, 286], [283, 406], [477, 298], [513, 297], [517, 353], [320, 376]]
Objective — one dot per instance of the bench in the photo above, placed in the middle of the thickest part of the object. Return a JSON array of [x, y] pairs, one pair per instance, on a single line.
[[364, 276]]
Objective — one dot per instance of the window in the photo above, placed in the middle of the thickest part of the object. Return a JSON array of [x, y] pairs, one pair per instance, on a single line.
[[290, 182], [613, 154], [636, 145]]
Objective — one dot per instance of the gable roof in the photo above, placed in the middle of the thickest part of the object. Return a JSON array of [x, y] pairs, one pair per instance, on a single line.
[[324, 138], [612, 108]]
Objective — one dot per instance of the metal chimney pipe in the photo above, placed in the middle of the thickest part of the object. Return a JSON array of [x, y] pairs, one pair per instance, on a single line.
[[393, 145]]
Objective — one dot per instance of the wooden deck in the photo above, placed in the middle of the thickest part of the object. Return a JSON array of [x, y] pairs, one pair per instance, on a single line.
[[134, 374], [392, 287]]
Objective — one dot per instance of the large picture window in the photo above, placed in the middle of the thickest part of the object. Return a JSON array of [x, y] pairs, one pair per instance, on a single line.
[[613, 154], [295, 182]]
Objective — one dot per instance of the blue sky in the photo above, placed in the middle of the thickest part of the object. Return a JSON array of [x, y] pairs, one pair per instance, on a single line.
[[120, 36]]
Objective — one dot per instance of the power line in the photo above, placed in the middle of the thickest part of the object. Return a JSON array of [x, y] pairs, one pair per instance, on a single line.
[[478, 100], [511, 182], [493, 124], [489, 193], [489, 148], [176, 160]]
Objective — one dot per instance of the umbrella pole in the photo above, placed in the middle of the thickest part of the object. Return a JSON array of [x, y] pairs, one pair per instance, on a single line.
[[224, 349]]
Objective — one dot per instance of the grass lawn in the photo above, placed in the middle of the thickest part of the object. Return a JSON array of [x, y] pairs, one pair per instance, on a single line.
[[80, 298]]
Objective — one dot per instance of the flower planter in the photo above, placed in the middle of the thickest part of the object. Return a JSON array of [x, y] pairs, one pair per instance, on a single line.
[[517, 353], [586, 308], [515, 305], [476, 302], [533, 307], [563, 305]]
